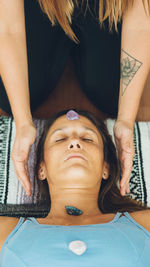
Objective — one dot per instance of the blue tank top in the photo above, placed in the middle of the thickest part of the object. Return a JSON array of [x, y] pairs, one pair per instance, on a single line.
[[121, 242]]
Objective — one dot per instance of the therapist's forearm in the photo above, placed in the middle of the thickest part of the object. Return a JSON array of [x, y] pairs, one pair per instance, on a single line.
[[135, 65], [14, 73]]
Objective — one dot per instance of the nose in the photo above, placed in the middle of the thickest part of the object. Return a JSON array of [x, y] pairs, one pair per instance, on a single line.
[[74, 144]]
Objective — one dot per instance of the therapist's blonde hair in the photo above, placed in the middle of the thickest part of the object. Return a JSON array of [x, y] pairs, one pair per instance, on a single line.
[[62, 10]]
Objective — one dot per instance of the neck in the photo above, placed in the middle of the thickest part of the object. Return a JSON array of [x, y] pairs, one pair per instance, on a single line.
[[84, 199]]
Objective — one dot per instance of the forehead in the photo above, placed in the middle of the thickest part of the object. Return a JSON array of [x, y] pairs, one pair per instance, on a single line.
[[82, 122]]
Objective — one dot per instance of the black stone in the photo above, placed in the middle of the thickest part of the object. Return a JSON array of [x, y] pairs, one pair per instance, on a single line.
[[73, 211]]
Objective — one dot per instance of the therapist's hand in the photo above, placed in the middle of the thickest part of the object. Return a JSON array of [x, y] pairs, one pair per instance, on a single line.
[[25, 137], [123, 133]]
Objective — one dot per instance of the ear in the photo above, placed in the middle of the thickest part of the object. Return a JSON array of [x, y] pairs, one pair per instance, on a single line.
[[105, 173], [42, 171]]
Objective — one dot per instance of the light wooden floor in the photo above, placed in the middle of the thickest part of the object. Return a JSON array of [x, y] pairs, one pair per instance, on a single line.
[[68, 94]]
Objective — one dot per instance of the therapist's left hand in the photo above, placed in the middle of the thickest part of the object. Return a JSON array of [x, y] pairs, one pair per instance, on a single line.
[[123, 133]]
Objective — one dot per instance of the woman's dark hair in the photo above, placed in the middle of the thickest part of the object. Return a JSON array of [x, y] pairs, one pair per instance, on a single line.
[[109, 199]]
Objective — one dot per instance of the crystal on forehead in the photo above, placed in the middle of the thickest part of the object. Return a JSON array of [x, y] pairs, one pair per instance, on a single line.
[[72, 115]]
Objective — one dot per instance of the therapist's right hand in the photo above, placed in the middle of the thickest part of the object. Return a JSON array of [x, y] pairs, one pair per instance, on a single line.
[[25, 137]]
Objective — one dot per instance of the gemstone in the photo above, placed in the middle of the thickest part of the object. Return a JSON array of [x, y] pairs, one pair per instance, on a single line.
[[78, 247], [73, 210], [72, 115]]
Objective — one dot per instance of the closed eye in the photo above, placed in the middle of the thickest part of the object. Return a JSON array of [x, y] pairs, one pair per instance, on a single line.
[[62, 139], [87, 139], [84, 139]]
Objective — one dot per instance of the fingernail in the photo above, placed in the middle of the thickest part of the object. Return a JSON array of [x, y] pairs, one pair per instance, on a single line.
[[28, 193], [122, 192], [28, 190]]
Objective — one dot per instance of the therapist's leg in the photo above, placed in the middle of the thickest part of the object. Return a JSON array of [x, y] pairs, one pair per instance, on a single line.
[[97, 62]]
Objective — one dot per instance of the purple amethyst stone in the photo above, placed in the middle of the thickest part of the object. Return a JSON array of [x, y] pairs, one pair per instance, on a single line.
[[72, 115]]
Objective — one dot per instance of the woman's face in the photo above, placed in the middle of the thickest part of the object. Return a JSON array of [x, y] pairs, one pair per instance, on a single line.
[[73, 154]]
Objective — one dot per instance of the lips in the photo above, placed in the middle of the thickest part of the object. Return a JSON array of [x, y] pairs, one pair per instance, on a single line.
[[75, 155]]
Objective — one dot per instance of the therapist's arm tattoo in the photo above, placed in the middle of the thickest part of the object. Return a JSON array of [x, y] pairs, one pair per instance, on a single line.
[[129, 67]]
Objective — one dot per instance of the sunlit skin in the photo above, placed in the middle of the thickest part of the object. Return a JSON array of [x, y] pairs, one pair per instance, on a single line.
[[73, 181]]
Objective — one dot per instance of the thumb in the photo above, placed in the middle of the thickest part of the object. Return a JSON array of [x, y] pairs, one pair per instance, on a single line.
[[127, 147], [21, 155], [126, 143], [20, 152]]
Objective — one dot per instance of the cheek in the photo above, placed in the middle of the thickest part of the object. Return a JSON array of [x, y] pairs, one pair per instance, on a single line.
[[97, 160], [52, 157]]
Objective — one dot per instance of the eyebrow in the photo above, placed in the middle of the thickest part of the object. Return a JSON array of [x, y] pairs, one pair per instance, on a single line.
[[84, 127]]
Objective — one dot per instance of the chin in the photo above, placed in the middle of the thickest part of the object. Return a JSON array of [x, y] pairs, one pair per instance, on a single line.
[[76, 173], [77, 168]]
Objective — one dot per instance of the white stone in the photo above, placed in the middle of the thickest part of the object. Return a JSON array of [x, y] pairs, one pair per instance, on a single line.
[[78, 247]]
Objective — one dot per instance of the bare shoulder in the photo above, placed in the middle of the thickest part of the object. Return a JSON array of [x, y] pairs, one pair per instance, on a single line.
[[142, 217], [7, 225]]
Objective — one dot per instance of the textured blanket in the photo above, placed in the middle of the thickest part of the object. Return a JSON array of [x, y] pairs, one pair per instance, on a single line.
[[15, 202]]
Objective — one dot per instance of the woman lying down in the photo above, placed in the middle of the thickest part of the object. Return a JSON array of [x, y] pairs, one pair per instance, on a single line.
[[89, 224]]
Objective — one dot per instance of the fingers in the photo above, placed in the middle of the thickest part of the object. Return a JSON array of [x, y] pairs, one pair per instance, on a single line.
[[126, 166], [19, 157], [126, 153], [22, 175], [123, 133], [25, 137], [125, 190]]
